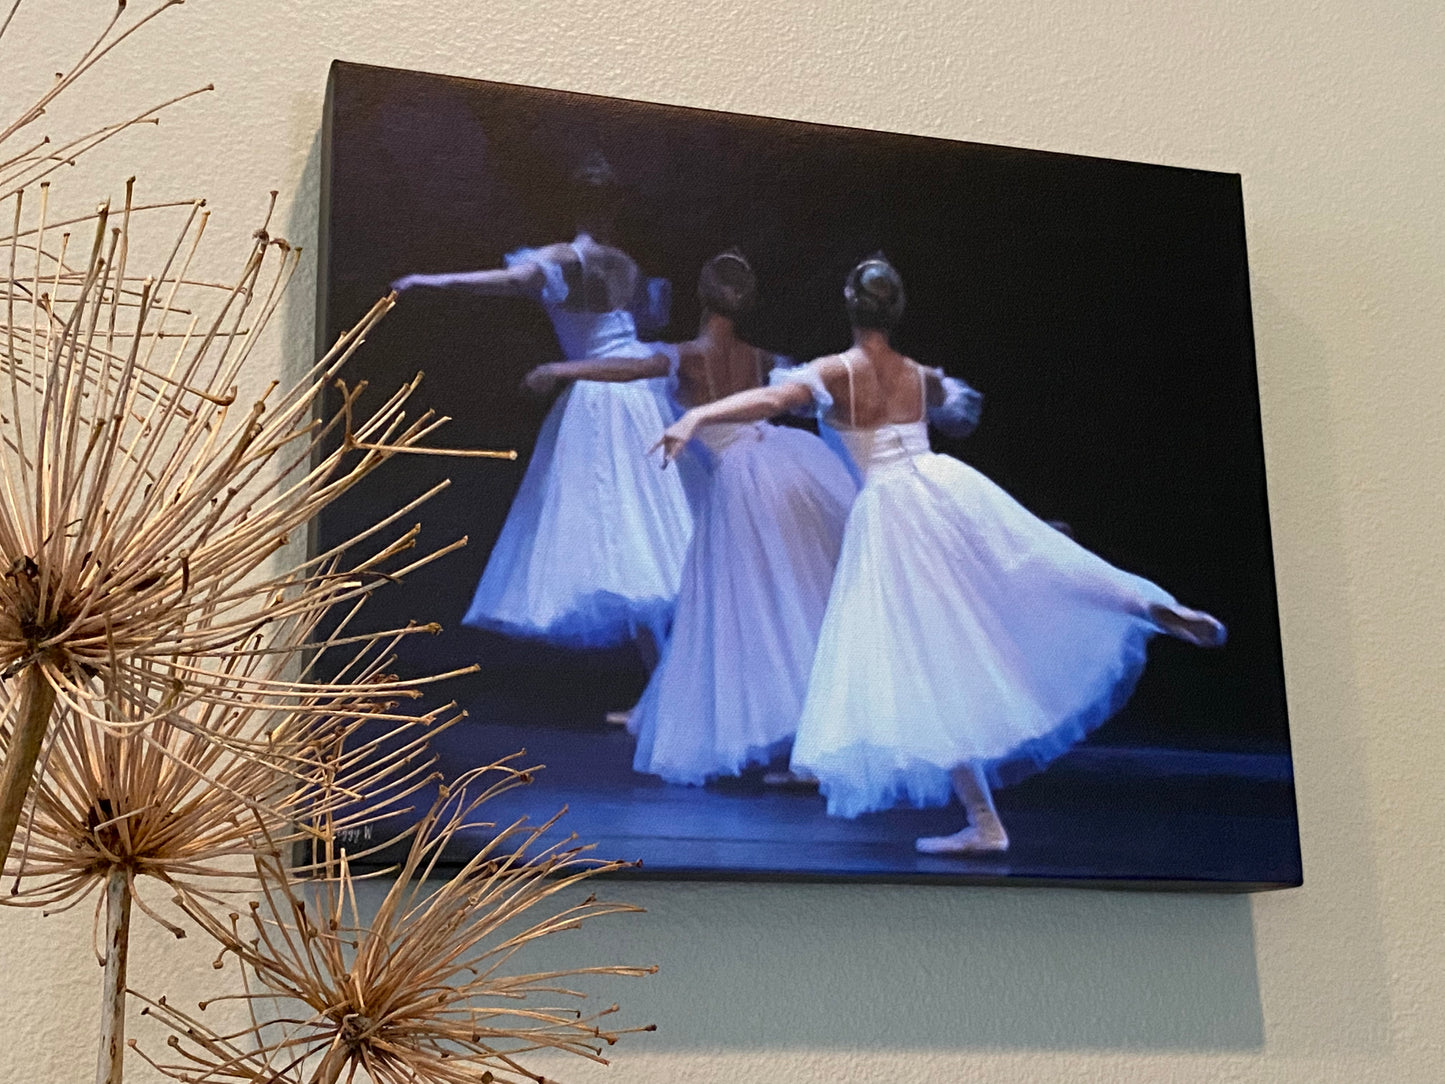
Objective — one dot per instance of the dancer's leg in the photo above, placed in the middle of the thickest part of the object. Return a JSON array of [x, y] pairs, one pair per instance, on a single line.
[[1192, 626], [790, 777], [649, 650], [985, 832], [649, 647]]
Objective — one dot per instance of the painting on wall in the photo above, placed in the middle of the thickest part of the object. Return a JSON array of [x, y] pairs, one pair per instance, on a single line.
[[885, 507]]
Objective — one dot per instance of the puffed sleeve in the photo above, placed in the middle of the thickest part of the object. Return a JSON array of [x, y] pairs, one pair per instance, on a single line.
[[554, 289], [651, 306], [673, 356], [806, 375], [962, 406], [674, 362]]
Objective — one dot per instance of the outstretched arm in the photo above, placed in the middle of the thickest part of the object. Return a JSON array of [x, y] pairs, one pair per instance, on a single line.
[[753, 405], [523, 280], [543, 380]]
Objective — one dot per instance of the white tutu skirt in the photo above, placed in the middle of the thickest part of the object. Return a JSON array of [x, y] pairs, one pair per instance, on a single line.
[[730, 687], [961, 628], [593, 546]]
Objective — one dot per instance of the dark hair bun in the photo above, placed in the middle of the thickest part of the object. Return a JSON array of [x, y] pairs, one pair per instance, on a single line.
[[874, 294], [727, 285]]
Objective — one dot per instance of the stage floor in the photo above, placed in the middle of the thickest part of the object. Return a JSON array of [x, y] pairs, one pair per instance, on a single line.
[[1131, 816]]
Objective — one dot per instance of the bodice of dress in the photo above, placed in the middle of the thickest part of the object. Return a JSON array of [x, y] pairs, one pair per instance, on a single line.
[[869, 449], [584, 333], [593, 334], [883, 446], [714, 436]]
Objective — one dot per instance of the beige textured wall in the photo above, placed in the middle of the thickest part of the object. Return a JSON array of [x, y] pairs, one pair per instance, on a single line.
[[1332, 111]]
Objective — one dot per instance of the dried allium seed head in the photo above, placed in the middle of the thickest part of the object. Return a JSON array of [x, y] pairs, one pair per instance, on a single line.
[[420, 992], [145, 514], [177, 805]]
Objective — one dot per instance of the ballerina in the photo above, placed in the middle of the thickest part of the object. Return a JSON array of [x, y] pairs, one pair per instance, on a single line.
[[591, 551], [771, 504], [962, 634]]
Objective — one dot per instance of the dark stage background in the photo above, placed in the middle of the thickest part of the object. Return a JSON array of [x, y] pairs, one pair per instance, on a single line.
[[1102, 307]]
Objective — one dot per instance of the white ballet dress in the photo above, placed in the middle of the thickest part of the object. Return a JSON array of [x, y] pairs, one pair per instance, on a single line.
[[592, 548], [729, 689], [961, 628]]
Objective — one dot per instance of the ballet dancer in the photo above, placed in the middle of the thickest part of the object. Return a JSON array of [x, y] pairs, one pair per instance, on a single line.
[[962, 633], [771, 504], [592, 548]]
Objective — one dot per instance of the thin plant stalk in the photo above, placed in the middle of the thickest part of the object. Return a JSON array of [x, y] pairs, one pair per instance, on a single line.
[[422, 991], [110, 1064], [169, 805], [23, 751], [332, 1066], [145, 605], [139, 524]]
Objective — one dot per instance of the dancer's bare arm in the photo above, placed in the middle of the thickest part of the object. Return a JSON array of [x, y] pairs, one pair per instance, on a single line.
[[523, 279], [543, 380], [754, 405]]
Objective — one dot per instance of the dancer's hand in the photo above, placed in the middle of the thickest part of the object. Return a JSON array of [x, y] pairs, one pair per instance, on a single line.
[[674, 437], [542, 380]]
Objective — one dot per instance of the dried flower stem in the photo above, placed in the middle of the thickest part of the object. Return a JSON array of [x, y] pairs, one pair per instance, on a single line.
[[109, 1067], [139, 526], [159, 656], [421, 991], [332, 1066], [22, 751], [39, 159]]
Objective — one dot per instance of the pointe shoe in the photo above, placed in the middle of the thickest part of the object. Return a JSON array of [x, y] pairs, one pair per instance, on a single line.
[[1192, 626], [969, 841]]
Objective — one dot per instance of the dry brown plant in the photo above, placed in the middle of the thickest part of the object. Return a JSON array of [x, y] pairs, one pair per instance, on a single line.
[[161, 667], [173, 805], [143, 516], [144, 507], [421, 992], [39, 156]]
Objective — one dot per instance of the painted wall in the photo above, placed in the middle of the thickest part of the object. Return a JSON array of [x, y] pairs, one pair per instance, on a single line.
[[1331, 111]]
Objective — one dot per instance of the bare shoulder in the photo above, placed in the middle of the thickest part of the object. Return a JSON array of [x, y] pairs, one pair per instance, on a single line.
[[830, 367], [931, 374], [932, 380], [689, 366]]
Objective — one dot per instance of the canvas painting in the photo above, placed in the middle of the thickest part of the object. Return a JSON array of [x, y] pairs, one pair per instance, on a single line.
[[884, 507]]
